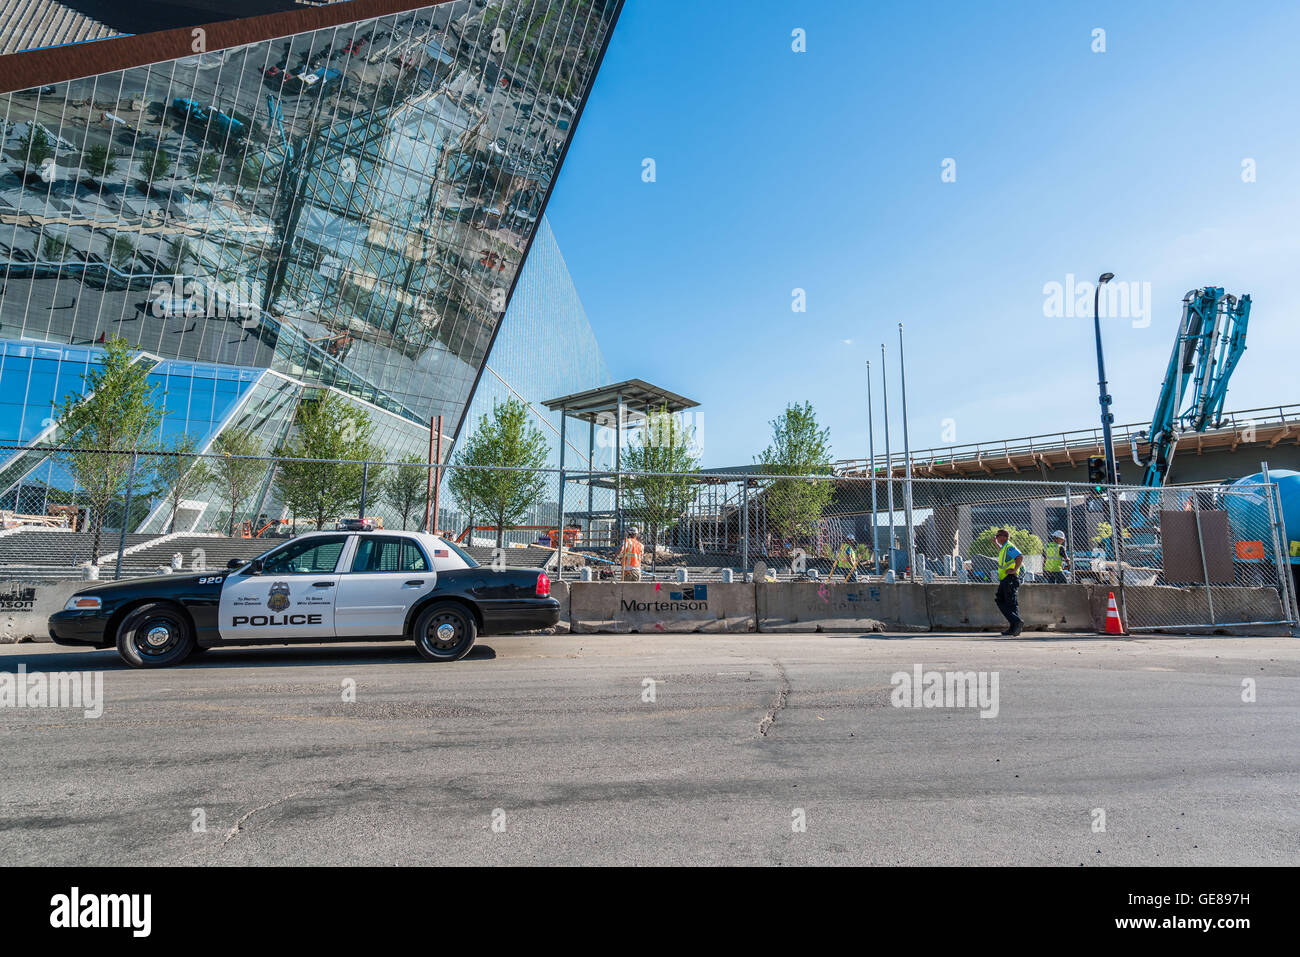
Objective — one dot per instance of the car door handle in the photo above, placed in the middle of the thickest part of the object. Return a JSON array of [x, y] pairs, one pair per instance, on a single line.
[[322, 584], [416, 581]]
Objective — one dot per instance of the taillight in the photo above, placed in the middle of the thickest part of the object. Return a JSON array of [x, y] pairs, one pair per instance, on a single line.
[[543, 585]]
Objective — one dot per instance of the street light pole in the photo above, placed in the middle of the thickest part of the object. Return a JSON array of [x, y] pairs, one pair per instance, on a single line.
[[1112, 472], [871, 452]]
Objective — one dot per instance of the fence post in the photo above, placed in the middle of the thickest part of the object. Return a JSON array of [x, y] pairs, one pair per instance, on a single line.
[[1117, 538], [1281, 546], [365, 478], [126, 518], [1200, 542], [559, 543], [744, 525], [1069, 538]]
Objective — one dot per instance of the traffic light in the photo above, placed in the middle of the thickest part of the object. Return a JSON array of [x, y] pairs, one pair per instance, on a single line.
[[1096, 470]]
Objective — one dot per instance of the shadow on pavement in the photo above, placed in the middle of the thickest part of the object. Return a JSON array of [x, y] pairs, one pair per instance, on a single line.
[[50, 659]]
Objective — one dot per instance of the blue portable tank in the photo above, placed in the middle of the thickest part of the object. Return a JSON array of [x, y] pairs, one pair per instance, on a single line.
[[1248, 511]]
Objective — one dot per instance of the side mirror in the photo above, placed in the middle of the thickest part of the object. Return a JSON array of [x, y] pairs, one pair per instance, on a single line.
[[234, 563]]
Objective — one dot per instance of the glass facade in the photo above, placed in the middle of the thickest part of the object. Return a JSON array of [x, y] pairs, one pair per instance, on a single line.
[[347, 208]]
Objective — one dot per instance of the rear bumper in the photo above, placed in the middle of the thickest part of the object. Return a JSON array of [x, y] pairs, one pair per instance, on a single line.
[[79, 628], [530, 614]]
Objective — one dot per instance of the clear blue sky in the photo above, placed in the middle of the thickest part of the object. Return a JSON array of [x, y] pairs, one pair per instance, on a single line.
[[821, 170]]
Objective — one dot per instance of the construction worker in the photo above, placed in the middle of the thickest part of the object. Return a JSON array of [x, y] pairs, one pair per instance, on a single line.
[[629, 556], [1009, 561], [1055, 559], [846, 557]]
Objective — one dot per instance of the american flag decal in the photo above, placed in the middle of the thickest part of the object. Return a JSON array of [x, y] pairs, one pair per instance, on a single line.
[[440, 553]]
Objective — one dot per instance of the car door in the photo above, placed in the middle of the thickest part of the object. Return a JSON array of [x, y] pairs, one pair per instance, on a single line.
[[388, 574], [292, 596]]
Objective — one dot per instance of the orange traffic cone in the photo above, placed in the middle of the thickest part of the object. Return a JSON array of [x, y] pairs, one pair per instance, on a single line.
[[1114, 626]]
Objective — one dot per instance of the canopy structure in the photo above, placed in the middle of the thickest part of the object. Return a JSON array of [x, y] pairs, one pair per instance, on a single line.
[[619, 406]]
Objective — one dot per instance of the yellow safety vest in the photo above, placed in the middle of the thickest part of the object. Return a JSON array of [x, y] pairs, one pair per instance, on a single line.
[[1005, 566], [1053, 552], [846, 557]]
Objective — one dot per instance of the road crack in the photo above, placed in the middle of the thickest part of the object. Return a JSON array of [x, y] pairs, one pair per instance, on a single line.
[[782, 696], [239, 824]]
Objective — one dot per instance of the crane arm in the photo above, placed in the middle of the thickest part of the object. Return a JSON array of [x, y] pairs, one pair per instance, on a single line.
[[1211, 339]]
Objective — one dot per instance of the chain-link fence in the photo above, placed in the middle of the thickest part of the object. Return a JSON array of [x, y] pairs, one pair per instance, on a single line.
[[1204, 555]]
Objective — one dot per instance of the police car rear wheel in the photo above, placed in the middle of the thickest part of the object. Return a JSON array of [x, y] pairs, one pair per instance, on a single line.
[[444, 632], [155, 636]]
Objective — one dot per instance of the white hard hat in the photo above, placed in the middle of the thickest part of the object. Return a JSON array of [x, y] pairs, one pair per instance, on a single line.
[[1058, 534]]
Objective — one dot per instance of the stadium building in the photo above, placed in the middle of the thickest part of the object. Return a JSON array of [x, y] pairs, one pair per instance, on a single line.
[[346, 198]]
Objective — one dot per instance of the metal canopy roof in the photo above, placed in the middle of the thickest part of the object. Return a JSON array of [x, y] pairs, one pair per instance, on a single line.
[[637, 396]]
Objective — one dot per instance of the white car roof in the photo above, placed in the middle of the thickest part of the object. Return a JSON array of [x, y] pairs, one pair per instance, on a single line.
[[431, 542]]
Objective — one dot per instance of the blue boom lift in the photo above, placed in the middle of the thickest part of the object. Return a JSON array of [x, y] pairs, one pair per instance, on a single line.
[[1211, 339]]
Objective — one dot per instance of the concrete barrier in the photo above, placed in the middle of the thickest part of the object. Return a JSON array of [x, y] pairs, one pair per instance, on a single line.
[[1043, 607], [838, 607], [660, 607], [1166, 609], [560, 592], [714, 607], [25, 606]]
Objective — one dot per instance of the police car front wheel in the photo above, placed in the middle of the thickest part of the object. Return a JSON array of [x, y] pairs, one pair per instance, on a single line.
[[155, 636], [444, 632]]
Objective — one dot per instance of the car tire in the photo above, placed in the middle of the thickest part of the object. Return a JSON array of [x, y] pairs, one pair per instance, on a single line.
[[432, 639], [156, 635]]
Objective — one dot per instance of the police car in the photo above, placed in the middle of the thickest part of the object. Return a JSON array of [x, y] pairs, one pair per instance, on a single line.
[[322, 586]]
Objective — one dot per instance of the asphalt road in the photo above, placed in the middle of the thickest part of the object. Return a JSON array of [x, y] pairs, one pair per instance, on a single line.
[[550, 739]]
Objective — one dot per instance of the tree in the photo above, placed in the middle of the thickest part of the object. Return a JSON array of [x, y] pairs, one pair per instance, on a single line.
[[158, 165], [121, 251], [116, 413], [407, 486], [203, 166], [496, 471], [181, 474], [99, 162], [35, 146], [330, 428], [237, 477], [1103, 538], [799, 447], [1023, 539], [55, 248], [666, 447]]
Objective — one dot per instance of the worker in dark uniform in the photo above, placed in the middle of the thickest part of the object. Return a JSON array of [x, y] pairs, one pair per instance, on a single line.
[[1055, 560], [1009, 561]]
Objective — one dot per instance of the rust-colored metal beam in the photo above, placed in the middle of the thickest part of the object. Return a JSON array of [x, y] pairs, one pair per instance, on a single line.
[[34, 68]]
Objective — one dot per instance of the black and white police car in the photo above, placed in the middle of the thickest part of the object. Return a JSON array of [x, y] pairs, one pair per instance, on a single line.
[[322, 586]]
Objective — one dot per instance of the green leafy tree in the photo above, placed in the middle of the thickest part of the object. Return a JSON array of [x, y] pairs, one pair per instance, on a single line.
[[799, 447], [497, 471], [406, 487], [117, 413], [1023, 539], [121, 251], [55, 248], [666, 447], [158, 165], [203, 166], [99, 162], [328, 427], [35, 147], [181, 474], [236, 477]]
